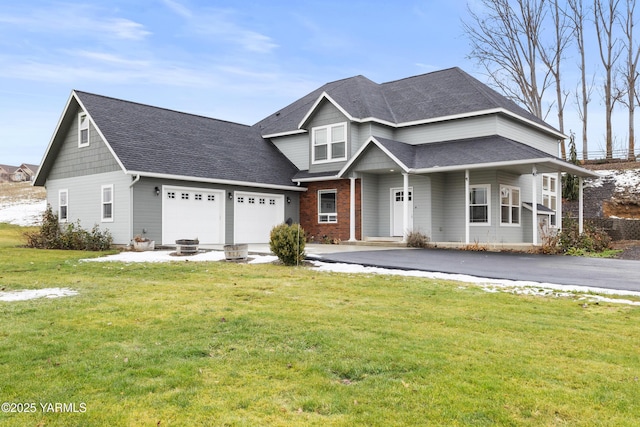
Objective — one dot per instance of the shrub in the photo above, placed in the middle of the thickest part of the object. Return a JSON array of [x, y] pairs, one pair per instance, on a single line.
[[592, 239], [70, 236], [287, 243], [416, 239]]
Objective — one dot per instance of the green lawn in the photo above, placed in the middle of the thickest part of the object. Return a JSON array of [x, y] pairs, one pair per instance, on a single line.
[[233, 344]]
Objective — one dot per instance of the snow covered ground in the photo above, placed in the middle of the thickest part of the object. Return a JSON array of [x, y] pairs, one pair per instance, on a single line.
[[25, 213]]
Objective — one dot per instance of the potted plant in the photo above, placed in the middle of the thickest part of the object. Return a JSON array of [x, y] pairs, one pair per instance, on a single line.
[[141, 243]]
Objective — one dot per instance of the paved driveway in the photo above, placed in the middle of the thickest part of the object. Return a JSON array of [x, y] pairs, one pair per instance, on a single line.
[[563, 270]]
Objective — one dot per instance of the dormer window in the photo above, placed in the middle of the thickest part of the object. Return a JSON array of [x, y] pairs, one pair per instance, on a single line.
[[83, 130], [329, 143]]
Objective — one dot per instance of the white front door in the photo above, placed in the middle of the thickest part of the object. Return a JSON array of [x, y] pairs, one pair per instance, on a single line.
[[397, 201]]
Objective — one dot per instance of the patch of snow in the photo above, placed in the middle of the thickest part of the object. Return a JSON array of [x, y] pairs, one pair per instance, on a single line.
[[28, 294], [27, 213], [489, 285]]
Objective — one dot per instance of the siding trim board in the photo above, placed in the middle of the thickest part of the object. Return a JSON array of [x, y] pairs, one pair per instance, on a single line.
[[216, 181]]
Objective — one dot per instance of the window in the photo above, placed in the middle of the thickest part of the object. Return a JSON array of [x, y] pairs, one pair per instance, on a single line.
[[107, 203], [550, 194], [327, 206], [197, 196], [329, 143], [171, 195], [211, 197], [509, 205], [63, 205], [184, 196], [83, 130], [479, 204]]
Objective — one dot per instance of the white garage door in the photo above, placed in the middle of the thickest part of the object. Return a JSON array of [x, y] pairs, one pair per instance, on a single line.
[[255, 216], [189, 213]]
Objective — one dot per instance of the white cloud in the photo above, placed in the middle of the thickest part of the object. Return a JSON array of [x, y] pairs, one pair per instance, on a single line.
[[178, 8]]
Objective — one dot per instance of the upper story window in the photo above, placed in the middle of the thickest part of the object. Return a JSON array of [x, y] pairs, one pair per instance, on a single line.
[[329, 143], [550, 194], [83, 130]]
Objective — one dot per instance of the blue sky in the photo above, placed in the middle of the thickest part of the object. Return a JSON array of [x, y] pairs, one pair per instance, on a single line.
[[237, 61]]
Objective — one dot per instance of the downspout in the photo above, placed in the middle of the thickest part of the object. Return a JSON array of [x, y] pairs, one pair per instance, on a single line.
[[135, 180]]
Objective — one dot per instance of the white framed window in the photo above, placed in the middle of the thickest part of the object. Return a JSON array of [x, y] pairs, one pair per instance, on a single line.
[[329, 143], [480, 204], [509, 205], [327, 206], [107, 203], [550, 194], [83, 130], [63, 205]]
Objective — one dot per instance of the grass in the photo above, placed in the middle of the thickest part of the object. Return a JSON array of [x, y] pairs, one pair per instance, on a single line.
[[235, 344]]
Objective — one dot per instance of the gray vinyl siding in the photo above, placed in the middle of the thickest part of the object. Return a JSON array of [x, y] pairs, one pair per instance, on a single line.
[[374, 160], [74, 161], [422, 215], [370, 217], [448, 131], [147, 207], [512, 129], [85, 202], [295, 148], [453, 206], [438, 217], [327, 114]]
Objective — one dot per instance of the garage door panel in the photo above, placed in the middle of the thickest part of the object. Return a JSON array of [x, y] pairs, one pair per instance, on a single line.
[[255, 214], [190, 213]]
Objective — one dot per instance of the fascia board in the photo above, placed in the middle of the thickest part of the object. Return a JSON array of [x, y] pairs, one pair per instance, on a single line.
[[318, 178], [288, 133], [325, 95], [113, 153], [216, 181], [563, 166], [65, 111], [371, 140]]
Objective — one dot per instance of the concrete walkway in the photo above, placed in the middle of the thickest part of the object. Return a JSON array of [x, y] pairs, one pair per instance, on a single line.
[[557, 269]]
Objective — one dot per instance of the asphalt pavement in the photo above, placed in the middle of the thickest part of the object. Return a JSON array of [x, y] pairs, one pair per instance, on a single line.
[[558, 269]]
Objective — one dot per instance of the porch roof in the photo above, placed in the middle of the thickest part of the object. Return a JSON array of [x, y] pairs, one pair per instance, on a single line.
[[489, 152]]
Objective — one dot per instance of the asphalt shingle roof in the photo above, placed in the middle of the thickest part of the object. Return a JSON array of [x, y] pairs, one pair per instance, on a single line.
[[472, 151], [160, 141], [428, 96]]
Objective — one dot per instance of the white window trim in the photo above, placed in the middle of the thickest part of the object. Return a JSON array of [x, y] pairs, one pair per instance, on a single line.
[[328, 215], [60, 192], [510, 188], [102, 203], [81, 128], [551, 193], [329, 159], [481, 224]]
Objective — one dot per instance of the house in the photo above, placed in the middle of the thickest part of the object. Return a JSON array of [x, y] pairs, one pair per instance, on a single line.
[[440, 153], [6, 172], [24, 172]]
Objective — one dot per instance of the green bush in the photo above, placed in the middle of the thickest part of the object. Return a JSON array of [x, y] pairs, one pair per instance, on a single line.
[[592, 239], [70, 236], [287, 243]]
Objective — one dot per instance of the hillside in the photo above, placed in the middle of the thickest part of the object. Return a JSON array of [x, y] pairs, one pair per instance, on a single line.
[[21, 203]]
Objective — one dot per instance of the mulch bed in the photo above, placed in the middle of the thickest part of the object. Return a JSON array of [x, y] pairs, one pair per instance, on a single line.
[[630, 249]]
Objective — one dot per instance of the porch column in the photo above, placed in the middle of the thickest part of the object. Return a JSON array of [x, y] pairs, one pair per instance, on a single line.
[[466, 206], [405, 207], [580, 207], [534, 204], [352, 211], [558, 190]]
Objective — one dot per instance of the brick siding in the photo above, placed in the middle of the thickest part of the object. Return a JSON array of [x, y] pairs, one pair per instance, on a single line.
[[309, 211]]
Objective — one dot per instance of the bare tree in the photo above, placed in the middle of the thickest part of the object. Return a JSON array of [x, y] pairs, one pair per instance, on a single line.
[[577, 15], [552, 58], [605, 17], [505, 40], [629, 72]]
